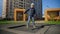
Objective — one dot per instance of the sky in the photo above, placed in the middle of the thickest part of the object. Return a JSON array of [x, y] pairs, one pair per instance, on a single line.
[[1, 4]]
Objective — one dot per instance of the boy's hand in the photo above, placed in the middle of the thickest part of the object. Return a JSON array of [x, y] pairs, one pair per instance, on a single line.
[[24, 12]]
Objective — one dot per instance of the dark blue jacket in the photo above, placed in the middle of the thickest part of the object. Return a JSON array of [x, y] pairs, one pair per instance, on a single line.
[[31, 12]]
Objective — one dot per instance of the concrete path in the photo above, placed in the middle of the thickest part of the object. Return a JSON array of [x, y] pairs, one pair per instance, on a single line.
[[53, 29]]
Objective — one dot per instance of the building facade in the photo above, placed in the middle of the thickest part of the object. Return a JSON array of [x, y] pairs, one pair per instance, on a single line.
[[4, 9], [22, 4]]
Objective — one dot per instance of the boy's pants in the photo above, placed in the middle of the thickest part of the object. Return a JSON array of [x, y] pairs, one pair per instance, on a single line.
[[30, 18]]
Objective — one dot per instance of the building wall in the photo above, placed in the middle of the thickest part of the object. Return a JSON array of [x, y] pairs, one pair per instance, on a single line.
[[12, 4], [4, 9], [9, 7]]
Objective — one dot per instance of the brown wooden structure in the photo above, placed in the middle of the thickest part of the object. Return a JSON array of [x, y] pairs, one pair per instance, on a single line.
[[52, 13], [19, 11]]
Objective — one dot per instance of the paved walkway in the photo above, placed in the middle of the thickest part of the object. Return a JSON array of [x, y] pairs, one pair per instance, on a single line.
[[53, 29]]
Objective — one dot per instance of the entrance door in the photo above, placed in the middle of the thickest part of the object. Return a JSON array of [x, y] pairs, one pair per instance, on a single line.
[[19, 14]]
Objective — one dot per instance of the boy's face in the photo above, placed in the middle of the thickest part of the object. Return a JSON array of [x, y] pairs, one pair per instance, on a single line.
[[32, 6]]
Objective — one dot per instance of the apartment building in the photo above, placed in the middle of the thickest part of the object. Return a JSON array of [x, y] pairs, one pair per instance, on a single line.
[[22, 4]]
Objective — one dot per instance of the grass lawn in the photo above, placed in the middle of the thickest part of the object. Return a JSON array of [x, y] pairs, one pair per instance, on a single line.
[[53, 22], [12, 22], [22, 22]]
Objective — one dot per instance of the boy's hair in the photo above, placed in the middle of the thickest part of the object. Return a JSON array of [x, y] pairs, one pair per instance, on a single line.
[[32, 3]]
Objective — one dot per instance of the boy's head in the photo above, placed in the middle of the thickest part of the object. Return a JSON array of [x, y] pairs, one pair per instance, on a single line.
[[32, 5]]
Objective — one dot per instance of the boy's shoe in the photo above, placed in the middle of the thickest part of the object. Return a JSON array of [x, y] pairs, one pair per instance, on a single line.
[[27, 26], [34, 26]]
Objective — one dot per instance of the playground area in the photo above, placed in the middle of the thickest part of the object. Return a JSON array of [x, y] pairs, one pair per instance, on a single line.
[[49, 25], [16, 17], [19, 27]]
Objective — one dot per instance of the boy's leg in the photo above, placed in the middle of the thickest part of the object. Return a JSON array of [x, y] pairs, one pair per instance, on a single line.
[[28, 21], [33, 22]]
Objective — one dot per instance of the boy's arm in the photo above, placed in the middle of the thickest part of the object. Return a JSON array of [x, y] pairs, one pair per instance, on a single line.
[[26, 11]]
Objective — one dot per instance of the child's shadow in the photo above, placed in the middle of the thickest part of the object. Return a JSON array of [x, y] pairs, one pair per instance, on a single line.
[[38, 27], [16, 26]]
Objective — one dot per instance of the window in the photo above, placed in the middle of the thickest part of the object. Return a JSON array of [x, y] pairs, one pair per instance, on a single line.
[[21, 5], [20, 0]]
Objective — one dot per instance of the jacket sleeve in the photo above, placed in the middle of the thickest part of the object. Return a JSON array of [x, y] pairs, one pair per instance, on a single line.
[[26, 11]]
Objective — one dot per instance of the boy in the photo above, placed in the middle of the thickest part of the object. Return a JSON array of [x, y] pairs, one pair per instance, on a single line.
[[31, 13]]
